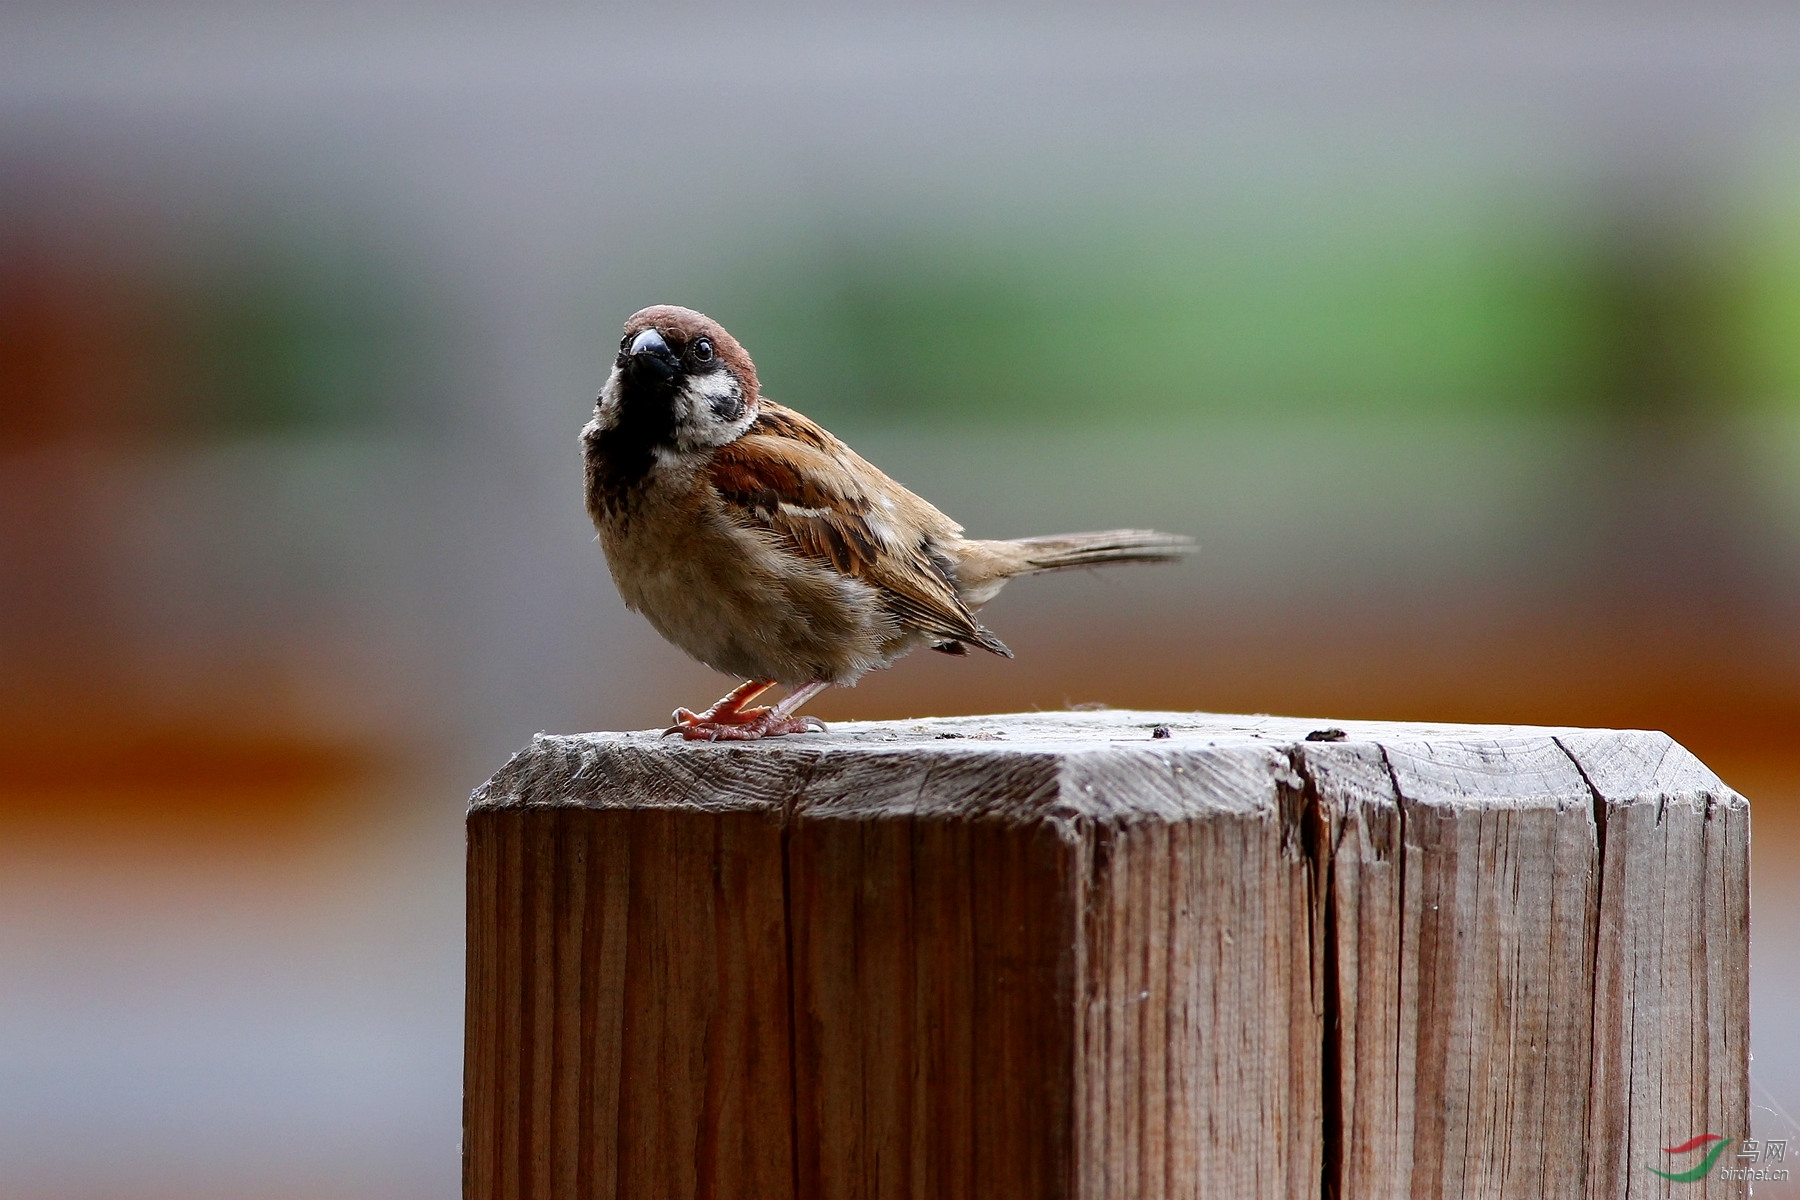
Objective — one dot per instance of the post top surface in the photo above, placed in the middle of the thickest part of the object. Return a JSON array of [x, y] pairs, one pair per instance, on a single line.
[[1086, 729], [1103, 763]]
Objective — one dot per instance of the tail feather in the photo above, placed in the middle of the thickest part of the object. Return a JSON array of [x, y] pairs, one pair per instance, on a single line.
[[1065, 550], [983, 568]]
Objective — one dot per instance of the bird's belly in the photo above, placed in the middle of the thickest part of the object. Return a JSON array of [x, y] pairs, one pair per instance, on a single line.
[[742, 606]]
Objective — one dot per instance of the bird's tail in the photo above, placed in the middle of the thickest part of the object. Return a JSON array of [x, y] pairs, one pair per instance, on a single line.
[[984, 567], [1064, 550]]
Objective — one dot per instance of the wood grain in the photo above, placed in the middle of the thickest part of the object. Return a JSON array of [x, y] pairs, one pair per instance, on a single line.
[[628, 1031], [933, 961], [1672, 1002], [1053, 955], [1501, 876], [1371, 1046], [1201, 1027]]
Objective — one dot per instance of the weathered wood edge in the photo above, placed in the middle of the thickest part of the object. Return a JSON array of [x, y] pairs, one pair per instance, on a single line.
[[1111, 766], [1674, 852], [1624, 767], [1207, 760]]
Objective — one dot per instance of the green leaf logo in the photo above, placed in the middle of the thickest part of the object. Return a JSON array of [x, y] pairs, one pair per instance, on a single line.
[[1706, 1164]]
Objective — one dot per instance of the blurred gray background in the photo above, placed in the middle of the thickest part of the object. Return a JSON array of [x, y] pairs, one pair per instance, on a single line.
[[1466, 342]]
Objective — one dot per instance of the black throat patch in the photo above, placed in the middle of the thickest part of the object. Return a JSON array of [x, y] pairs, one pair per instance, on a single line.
[[618, 459]]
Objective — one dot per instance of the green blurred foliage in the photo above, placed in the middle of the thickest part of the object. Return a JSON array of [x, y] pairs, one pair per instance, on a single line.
[[1453, 311], [1763, 330], [235, 336], [287, 339]]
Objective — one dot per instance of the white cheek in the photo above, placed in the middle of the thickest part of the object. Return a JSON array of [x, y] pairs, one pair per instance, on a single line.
[[608, 415], [704, 390], [696, 417]]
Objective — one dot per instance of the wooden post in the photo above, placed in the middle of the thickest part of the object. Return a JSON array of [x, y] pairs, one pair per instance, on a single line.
[[1105, 954]]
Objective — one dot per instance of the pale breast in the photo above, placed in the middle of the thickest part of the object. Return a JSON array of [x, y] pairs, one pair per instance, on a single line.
[[734, 599]]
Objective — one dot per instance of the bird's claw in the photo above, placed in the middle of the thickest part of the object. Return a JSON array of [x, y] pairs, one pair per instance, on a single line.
[[717, 715], [763, 724]]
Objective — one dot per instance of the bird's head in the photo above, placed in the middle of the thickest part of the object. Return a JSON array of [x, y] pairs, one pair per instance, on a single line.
[[679, 381]]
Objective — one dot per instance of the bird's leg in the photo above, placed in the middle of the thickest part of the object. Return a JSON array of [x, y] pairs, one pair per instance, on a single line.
[[784, 709], [729, 711], [748, 726]]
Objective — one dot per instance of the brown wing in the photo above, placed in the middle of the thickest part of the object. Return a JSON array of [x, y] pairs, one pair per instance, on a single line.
[[792, 478]]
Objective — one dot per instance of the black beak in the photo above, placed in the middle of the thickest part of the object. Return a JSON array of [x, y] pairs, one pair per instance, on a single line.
[[650, 356]]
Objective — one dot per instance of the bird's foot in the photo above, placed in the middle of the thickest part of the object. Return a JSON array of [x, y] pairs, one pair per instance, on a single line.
[[718, 714], [728, 711], [730, 721], [746, 726]]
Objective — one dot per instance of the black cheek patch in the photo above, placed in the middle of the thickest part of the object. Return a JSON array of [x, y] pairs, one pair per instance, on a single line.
[[728, 408]]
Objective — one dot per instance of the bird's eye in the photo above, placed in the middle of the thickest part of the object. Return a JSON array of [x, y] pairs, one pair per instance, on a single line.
[[703, 351]]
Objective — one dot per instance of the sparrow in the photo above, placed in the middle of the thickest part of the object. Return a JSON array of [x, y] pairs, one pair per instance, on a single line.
[[767, 549]]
